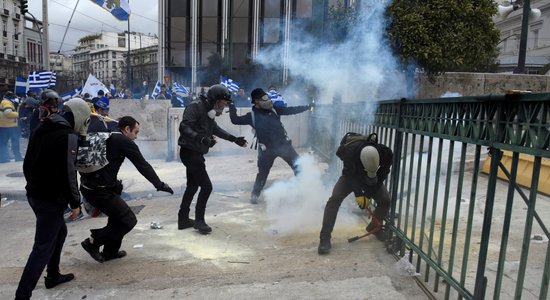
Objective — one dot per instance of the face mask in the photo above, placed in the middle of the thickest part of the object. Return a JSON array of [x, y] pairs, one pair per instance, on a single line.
[[218, 107], [212, 114], [266, 104]]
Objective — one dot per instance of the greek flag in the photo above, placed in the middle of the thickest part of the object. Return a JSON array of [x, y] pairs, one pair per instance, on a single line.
[[21, 85], [156, 90], [276, 98], [179, 88], [120, 11], [41, 79], [231, 85], [68, 95]]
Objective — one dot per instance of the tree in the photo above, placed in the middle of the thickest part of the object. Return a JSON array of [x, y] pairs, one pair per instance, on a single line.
[[444, 36]]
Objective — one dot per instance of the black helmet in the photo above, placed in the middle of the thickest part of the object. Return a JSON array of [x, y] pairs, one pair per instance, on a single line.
[[48, 95], [218, 92]]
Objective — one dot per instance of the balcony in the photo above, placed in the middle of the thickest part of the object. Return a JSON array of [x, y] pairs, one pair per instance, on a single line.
[[6, 12]]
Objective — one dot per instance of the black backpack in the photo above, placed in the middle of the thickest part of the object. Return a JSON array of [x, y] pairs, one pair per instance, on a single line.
[[349, 143]]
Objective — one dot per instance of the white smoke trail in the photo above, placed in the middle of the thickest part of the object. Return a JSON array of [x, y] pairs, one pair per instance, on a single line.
[[297, 204]]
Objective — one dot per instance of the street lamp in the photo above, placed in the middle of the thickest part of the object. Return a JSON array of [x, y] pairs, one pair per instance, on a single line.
[[504, 11]]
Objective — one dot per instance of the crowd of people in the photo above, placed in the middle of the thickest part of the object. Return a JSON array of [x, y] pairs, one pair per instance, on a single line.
[[57, 131]]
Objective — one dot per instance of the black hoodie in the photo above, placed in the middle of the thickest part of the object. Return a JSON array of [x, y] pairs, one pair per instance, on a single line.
[[49, 164]]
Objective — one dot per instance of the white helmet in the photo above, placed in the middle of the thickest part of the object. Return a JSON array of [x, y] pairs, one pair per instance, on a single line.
[[81, 112], [370, 160]]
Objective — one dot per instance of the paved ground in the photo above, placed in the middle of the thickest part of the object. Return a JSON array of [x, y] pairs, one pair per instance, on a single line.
[[245, 257]]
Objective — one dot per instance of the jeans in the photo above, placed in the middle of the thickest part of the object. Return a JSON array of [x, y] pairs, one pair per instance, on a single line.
[[48, 242], [265, 162], [9, 134]]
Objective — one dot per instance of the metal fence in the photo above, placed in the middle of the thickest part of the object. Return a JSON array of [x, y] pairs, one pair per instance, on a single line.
[[467, 233]]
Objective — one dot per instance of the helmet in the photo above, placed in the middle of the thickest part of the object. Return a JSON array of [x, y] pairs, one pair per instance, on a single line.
[[218, 92], [81, 113], [371, 161], [48, 96]]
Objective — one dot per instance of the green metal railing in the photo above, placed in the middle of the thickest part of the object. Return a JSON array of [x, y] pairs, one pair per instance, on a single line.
[[459, 227]]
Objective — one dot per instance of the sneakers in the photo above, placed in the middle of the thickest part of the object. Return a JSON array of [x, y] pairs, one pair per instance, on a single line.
[[51, 282], [93, 250], [186, 223], [109, 256], [324, 246], [202, 227], [254, 199], [78, 218]]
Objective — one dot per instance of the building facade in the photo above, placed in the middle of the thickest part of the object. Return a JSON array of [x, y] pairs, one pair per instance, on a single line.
[[192, 32], [105, 55], [538, 39], [12, 50]]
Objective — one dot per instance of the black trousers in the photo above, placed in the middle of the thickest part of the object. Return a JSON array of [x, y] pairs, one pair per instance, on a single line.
[[341, 190], [196, 177], [49, 238], [121, 219], [265, 162]]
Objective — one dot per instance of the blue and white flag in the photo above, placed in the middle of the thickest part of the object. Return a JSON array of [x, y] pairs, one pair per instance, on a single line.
[[41, 79], [179, 88], [120, 9], [156, 90], [68, 95], [231, 85], [276, 98], [21, 85]]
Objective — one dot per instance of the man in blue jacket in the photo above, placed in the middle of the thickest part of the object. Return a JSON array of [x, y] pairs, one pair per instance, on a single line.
[[273, 140]]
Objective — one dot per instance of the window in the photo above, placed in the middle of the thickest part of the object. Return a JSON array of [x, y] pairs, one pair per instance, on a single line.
[[114, 55]]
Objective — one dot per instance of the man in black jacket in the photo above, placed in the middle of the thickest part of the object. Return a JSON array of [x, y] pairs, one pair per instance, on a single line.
[[366, 166], [102, 189], [50, 170], [197, 131], [272, 138]]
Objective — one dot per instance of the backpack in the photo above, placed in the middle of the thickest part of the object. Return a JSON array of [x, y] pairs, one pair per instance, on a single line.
[[346, 148], [92, 152]]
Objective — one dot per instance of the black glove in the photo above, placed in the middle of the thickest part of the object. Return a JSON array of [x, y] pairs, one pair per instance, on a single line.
[[207, 141], [164, 187], [240, 141]]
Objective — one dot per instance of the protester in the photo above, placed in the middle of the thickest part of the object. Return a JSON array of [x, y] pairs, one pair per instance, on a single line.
[[366, 166], [50, 170], [163, 94], [100, 122], [102, 189], [47, 105], [197, 130], [26, 108], [9, 128], [241, 100], [273, 140]]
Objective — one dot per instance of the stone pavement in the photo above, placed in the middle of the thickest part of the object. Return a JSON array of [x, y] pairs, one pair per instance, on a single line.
[[241, 259]]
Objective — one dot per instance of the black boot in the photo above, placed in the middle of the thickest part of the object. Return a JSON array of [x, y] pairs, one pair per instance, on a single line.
[[324, 246], [109, 256], [93, 250], [201, 226], [184, 223], [52, 281]]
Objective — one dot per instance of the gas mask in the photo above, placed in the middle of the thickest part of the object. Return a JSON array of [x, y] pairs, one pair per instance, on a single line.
[[265, 103], [370, 159], [212, 114]]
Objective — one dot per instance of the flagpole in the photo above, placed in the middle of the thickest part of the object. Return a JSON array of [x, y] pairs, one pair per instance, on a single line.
[[128, 80], [45, 42]]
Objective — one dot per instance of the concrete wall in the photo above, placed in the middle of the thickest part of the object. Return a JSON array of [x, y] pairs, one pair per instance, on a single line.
[[159, 120], [474, 84]]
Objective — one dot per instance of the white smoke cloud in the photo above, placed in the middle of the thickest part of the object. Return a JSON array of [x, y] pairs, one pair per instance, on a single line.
[[297, 204], [363, 68]]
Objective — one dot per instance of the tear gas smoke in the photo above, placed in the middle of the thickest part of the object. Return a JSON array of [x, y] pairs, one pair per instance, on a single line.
[[297, 204], [362, 68]]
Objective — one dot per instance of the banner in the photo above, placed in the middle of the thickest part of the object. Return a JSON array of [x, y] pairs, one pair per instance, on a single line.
[[93, 85]]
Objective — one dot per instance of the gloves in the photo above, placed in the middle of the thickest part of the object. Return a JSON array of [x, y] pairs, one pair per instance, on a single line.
[[164, 187], [208, 141], [362, 201], [240, 141]]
